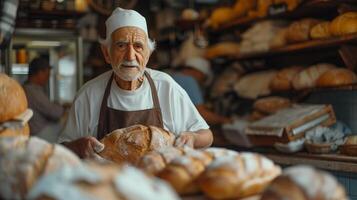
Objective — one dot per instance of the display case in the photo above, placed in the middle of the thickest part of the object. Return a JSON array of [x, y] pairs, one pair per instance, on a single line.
[[62, 48]]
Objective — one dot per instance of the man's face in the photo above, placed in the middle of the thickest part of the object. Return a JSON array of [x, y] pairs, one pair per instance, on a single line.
[[128, 52]]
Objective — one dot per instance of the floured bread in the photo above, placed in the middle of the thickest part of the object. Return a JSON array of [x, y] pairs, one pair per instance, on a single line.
[[131, 143], [304, 183], [183, 170], [102, 182], [237, 176], [23, 161]]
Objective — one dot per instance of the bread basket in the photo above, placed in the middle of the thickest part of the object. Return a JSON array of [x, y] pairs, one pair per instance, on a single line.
[[318, 148], [350, 150]]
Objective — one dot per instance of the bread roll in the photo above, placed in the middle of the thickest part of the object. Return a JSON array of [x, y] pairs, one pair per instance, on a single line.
[[242, 7], [283, 79], [12, 98], [221, 15], [237, 176], [270, 105], [336, 77], [304, 183], [307, 78], [254, 85], [229, 49], [182, 171], [321, 31], [131, 143], [23, 161], [299, 31], [104, 181], [344, 24]]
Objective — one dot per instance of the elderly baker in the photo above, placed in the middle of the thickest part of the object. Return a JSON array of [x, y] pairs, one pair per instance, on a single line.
[[131, 93]]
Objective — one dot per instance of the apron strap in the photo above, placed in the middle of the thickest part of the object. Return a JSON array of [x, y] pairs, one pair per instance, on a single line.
[[155, 98], [104, 108]]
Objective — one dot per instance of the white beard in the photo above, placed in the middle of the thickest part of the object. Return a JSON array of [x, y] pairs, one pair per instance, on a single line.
[[128, 74]]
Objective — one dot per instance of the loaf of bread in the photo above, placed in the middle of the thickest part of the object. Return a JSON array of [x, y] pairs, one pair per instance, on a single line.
[[299, 31], [23, 161], [336, 77], [131, 143], [308, 77], [242, 7], [270, 105], [262, 8], [229, 49], [237, 176], [13, 103], [304, 183], [321, 31], [283, 79], [155, 161], [279, 40], [220, 16], [256, 84], [183, 170], [344, 24], [292, 4], [101, 181]]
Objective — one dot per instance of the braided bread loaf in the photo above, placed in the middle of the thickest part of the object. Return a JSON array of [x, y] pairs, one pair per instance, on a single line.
[[23, 161], [304, 183], [237, 176], [104, 181], [183, 170], [131, 143]]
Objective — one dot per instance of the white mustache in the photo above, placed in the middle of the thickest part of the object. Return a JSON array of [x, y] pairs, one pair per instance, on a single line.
[[132, 63]]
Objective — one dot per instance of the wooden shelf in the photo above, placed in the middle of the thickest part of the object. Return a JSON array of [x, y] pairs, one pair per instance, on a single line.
[[303, 46], [311, 8]]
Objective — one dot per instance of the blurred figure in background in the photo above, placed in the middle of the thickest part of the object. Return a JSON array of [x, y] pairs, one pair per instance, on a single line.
[[192, 77], [45, 121]]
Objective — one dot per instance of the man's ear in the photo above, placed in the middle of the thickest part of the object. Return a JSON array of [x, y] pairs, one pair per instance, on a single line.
[[105, 52]]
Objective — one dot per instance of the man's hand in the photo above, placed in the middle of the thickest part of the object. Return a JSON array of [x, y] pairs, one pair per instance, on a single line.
[[185, 138], [86, 147]]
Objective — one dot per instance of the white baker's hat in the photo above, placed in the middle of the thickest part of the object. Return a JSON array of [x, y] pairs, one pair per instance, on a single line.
[[123, 18]]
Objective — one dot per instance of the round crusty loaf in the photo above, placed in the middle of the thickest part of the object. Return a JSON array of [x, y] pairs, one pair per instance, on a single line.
[[103, 182], [320, 31], [222, 49], [307, 78], [344, 24], [299, 31], [304, 183], [23, 161], [270, 105], [183, 170], [131, 143], [238, 176], [282, 80], [336, 77], [12, 98]]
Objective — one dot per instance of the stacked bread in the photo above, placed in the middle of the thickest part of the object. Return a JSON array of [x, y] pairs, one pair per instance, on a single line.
[[299, 31], [237, 176], [13, 107], [344, 24], [283, 79], [304, 183], [101, 181], [131, 143], [23, 161]]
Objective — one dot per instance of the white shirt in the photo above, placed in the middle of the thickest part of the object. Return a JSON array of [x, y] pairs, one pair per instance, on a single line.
[[178, 112]]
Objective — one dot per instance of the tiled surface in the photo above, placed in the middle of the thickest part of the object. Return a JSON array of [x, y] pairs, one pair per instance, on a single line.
[[344, 104]]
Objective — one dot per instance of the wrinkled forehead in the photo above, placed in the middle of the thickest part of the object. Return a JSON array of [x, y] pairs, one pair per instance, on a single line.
[[133, 34]]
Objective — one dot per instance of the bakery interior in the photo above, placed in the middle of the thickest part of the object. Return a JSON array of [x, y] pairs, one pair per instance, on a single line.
[[275, 80]]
